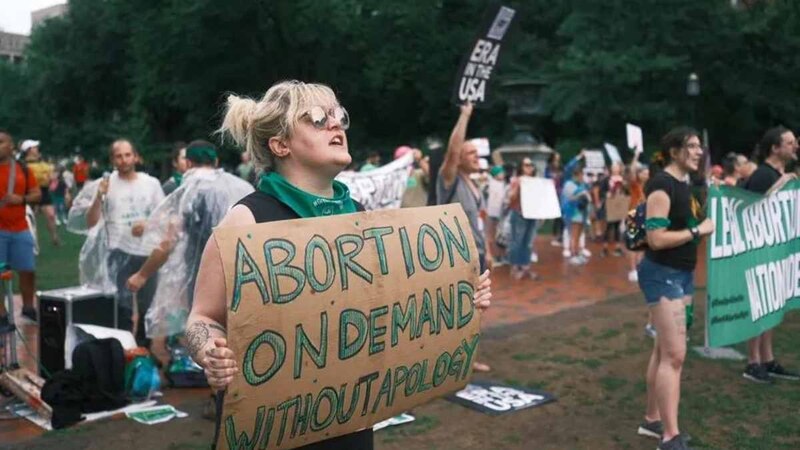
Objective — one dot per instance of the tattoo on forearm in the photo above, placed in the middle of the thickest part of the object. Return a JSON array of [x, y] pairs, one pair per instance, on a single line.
[[197, 335]]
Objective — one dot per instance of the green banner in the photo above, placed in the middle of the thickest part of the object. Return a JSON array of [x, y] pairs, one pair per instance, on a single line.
[[753, 261]]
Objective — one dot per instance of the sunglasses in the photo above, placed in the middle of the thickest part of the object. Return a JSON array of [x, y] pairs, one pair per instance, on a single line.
[[319, 117]]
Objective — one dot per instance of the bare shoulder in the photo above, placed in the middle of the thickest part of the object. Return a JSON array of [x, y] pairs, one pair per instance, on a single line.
[[238, 215]]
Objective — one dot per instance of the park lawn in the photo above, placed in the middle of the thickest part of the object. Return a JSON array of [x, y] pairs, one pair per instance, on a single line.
[[56, 267], [593, 359]]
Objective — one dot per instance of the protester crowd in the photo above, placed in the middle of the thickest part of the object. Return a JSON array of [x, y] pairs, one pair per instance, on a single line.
[[151, 234]]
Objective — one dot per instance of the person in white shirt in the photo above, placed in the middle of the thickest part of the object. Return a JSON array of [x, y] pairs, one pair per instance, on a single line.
[[124, 201]]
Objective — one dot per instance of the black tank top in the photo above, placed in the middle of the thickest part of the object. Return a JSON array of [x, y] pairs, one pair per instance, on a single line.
[[266, 208]]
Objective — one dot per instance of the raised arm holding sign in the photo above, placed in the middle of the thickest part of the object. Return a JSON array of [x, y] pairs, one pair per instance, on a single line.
[[477, 67], [308, 328]]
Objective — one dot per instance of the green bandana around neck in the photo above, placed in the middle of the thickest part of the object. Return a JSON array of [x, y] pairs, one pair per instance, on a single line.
[[177, 178], [305, 204]]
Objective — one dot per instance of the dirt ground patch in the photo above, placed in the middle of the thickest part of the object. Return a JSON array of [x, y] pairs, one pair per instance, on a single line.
[[593, 359]]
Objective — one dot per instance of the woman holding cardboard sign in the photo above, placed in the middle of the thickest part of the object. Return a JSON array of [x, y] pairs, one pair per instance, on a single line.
[[297, 133]]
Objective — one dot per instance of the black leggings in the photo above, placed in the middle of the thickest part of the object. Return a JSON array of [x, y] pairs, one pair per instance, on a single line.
[[612, 231], [558, 228]]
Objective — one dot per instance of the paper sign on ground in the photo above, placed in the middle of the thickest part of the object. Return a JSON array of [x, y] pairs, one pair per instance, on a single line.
[[594, 159], [495, 399], [382, 188], [477, 66], [394, 421], [340, 322], [613, 153], [635, 138], [539, 198]]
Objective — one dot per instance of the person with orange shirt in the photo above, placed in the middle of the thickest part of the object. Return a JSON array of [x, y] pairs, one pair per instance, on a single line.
[[17, 188], [80, 170]]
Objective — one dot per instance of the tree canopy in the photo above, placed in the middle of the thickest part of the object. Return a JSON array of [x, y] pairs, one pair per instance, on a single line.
[[158, 71]]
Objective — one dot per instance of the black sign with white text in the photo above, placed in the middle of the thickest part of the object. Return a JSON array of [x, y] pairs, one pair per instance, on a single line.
[[495, 399], [477, 67]]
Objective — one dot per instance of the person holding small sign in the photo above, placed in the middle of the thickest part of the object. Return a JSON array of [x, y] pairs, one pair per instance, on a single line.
[[454, 184], [522, 229], [297, 133], [666, 278]]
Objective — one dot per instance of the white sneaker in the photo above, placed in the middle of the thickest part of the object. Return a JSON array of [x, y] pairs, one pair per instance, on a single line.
[[633, 276], [534, 258], [586, 253], [566, 253], [555, 243]]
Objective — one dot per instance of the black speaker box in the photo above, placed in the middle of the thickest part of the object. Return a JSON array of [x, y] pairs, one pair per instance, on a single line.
[[58, 310]]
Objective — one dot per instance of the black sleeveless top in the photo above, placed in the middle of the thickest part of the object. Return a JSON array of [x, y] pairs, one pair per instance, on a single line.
[[266, 208]]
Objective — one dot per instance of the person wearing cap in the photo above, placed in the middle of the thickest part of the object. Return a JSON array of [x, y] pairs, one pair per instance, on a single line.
[[417, 189], [16, 240], [123, 201], [44, 173], [177, 232]]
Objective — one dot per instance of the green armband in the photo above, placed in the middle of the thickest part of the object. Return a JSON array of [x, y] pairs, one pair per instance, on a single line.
[[689, 315], [656, 223]]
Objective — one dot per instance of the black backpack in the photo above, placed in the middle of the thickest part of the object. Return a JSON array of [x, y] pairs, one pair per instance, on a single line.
[[95, 383], [100, 363]]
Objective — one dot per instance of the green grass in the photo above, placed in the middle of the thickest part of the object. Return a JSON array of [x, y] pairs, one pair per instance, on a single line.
[[56, 267]]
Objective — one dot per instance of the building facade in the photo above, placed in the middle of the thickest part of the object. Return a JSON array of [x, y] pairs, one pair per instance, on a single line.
[[12, 45], [40, 15]]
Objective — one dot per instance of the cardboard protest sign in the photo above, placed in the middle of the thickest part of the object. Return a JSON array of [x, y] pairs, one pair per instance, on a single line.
[[613, 153], [382, 188], [340, 322], [538, 198], [496, 399], [635, 138], [617, 207], [594, 159], [753, 261], [477, 67]]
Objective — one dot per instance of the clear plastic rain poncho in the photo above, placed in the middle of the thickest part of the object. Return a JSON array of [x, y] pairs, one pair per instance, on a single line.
[[93, 259], [182, 224]]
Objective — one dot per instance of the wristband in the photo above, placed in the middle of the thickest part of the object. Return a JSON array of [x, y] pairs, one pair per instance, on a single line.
[[695, 233]]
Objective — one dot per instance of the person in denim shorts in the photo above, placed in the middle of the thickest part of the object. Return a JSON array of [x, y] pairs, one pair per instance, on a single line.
[[16, 241], [667, 280]]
